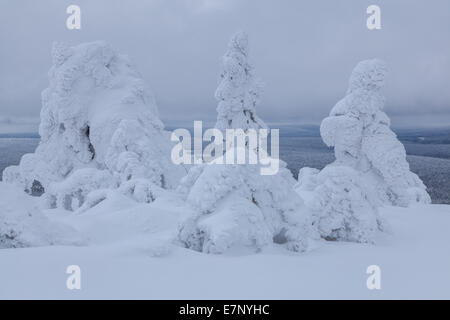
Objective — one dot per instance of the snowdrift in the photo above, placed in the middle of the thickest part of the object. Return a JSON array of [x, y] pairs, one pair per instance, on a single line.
[[130, 257], [23, 224]]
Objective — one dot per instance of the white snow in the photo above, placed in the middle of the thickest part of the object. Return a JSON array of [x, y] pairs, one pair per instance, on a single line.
[[22, 224], [131, 255]]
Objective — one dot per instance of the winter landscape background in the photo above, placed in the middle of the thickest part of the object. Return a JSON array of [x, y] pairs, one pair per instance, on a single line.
[[89, 179], [300, 146]]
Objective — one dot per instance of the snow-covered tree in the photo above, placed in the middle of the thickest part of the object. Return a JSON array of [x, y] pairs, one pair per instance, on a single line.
[[238, 92], [97, 114], [360, 133], [370, 169], [235, 205]]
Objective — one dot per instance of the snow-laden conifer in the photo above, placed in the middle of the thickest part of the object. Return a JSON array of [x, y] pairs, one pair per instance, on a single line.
[[234, 205], [98, 117]]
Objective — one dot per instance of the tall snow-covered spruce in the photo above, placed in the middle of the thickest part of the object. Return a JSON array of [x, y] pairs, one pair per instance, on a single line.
[[234, 205], [370, 168], [99, 129]]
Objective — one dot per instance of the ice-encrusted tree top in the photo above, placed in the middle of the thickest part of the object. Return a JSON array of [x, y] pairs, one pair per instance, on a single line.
[[92, 88], [96, 113], [369, 75], [360, 133], [238, 92]]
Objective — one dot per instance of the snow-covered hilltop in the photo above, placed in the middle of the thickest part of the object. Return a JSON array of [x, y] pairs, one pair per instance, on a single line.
[[103, 147], [103, 177], [99, 129], [102, 139]]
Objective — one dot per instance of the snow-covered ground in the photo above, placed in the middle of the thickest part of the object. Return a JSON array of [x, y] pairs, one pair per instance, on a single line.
[[131, 255]]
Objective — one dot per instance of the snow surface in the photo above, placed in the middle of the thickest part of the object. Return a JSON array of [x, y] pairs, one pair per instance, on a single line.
[[22, 224], [132, 255]]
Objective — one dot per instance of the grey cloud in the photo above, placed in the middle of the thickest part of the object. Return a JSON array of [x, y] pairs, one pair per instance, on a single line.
[[303, 51]]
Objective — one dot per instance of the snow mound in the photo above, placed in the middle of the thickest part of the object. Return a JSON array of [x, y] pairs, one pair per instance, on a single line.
[[97, 114], [417, 249], [22, 224]]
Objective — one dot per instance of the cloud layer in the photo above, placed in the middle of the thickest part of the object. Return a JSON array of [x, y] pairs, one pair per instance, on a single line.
[[303, 51]]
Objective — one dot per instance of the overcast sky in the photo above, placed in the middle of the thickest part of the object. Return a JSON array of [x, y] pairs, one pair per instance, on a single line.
[[303, 51]]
